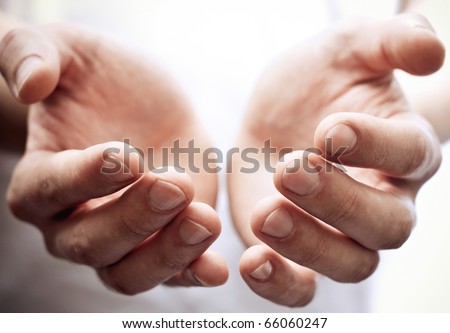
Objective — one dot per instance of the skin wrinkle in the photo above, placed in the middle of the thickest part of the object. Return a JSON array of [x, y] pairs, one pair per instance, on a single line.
[[84, 112], [319, 250], [349, 74], [377, 97]]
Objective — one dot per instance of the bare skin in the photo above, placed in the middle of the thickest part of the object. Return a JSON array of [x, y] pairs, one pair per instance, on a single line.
[[338, 85], [60, 171], [137, 228]]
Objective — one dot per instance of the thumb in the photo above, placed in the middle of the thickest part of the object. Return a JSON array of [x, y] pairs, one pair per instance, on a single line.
[[30, 63], [406, 42]]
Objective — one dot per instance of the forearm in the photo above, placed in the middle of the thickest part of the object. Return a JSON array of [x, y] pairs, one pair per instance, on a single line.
[[13, 115], [430, 95]]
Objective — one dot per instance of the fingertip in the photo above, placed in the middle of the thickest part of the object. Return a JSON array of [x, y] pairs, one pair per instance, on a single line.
[[261, 211], [30, 63], [336, 136], [178, 178], [255, 264], [421, 52], [401, 146], [210, 269], [405, 42], [275, 278], [205, 216], [35, 80], [280, 168], [119, 162], [429, 56], [298, 173]]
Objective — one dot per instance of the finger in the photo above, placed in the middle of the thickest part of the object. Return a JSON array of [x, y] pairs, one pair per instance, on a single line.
[[405, 42], [105, 234], [46, 183], [30, 63], [373, 218], [303, 239], [275, 278], [171, 250], [209, 270], [402, 146]]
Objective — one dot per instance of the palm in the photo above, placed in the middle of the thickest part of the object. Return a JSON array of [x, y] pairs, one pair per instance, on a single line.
[[338, 85], [107, 94], [299, 91], [130, 225]]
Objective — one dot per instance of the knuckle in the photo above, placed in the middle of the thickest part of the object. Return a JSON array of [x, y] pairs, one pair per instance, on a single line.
[[424, 156], [399, 232], [436, 162], [366, 268], [123, 288], [172, 263], [48, 192], [111, 280], [297, 295], [311, 255], [304, 298], [432, 160], [380, 154], [131, 228], [394, 229], [15, 204], [341, 40], [418, 155], [287, 296], [344, 211], [81, 250]]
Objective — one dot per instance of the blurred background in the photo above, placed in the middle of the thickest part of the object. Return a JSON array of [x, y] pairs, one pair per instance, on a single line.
[[216, 50]]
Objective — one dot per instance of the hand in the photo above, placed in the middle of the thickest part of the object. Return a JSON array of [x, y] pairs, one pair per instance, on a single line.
[[138, 229], [337, 88]]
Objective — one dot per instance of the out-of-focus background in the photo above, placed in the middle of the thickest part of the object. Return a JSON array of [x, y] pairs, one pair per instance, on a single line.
[[216, 49]]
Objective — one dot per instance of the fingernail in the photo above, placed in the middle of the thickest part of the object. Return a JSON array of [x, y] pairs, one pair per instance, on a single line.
[[115, 169], [193, 233], [343, 138], [166, 196], [263, 272], [26, 68], [278, 224], [300, 177], [203, 283]]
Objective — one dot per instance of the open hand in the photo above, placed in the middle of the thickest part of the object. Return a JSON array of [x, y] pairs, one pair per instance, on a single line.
[[138, 228], [334, 95]]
